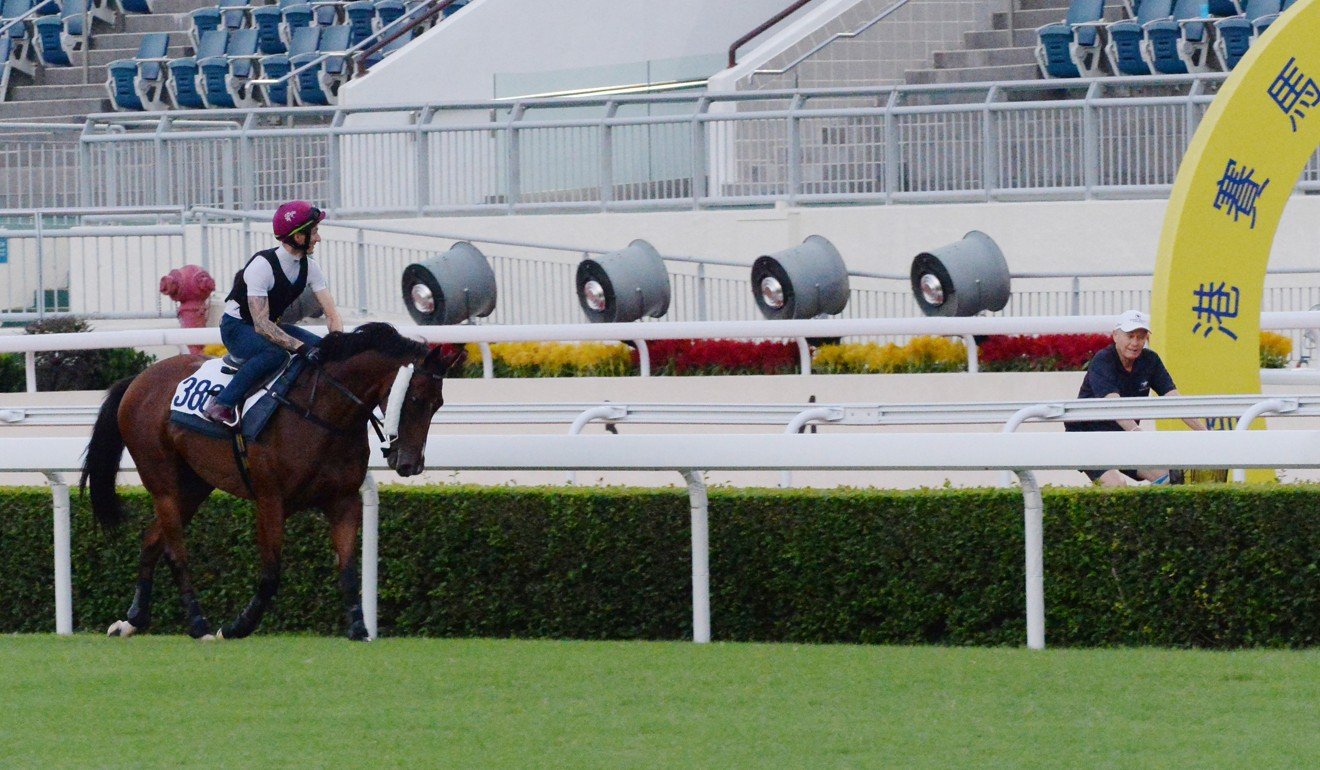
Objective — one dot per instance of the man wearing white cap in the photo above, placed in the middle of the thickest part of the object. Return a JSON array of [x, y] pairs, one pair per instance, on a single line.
[[1126, 369]]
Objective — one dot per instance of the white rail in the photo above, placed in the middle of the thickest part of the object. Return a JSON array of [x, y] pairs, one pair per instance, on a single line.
[[641, 332], [691, 455]]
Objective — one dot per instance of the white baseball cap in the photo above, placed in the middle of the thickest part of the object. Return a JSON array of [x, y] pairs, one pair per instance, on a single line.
[[1132, 320]]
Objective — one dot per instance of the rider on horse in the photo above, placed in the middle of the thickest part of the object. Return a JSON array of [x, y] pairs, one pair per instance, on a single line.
[[271, 281]]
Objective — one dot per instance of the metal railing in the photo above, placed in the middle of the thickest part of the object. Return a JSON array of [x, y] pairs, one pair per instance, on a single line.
[[976, 142]]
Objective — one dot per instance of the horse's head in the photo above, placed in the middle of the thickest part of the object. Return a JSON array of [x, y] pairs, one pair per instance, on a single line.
[[418, 404]]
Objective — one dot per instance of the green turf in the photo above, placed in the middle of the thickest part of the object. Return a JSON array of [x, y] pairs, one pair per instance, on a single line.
[[421, 703]]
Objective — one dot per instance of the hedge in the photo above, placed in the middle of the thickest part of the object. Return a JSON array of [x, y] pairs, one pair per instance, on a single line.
[[1211, 566]]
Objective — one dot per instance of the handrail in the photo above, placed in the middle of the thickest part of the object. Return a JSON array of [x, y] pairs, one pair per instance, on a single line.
[[360, 61], [762, 27], [837, 36]]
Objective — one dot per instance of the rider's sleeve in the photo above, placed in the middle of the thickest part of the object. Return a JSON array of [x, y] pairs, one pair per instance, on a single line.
[[316, 278], [259, 279]]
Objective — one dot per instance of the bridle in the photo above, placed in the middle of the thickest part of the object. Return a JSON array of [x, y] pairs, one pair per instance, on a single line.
[[388, 432]]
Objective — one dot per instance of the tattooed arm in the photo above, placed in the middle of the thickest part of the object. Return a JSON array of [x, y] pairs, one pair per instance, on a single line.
[[260, 309]]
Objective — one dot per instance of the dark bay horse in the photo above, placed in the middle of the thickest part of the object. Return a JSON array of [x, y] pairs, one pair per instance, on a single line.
[[314, 459]]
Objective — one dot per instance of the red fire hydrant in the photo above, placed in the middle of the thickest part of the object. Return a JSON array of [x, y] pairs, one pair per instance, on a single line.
[[191, 287]]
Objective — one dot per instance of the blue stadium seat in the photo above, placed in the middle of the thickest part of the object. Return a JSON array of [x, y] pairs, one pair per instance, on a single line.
[[184, 72], [1181, 44], [1234, 35], [361, 20], [454, 8], [326, 12], [1072, 48], [1264, 22], [277, 66], [1225, 7], [136, 6], [203, 20], [225, 78], [139, 83], [387, 11], [295, 15], [5, 48], [58, 36], [266, 20], [15, 19], [234, 19], [319, 83], [1126, 48]]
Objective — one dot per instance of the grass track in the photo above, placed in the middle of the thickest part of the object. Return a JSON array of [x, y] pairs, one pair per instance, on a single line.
[[313, 702]]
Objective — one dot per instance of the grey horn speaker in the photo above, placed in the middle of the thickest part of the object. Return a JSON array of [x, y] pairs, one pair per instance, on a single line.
[[961, 279], [802, 282], [624, 285], [450, 288]]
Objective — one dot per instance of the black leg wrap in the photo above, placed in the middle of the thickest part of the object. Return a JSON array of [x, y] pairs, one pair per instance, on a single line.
[[248, 620], [197, 625], [139, 614], [350, 586]]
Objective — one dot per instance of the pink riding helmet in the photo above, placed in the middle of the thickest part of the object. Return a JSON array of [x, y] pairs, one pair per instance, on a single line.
[[294, 217]]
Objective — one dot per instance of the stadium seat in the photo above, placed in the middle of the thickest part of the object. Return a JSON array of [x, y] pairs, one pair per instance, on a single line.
[[225, 78], [266, 20], [58, 36], [387, 11], [203, 20], [1180, 44], [1072, 48], [136, 6], [319, 83], [294, 16], [326, 13], [5, 47], [1126, 48], [1264, 22], [139, 83], [16, 17], [361, 20], [1234, 35], [277, 66], [184, 72], [1226, 7]]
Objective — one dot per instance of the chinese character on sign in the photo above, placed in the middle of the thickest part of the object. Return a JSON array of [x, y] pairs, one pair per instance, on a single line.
[[1292, 90], [1238, 191], [1213, 306]]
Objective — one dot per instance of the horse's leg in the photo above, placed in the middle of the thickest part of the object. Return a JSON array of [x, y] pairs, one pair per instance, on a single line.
[[270, 542], [171, 515], [191, 492], [345, 517], [138, 618]]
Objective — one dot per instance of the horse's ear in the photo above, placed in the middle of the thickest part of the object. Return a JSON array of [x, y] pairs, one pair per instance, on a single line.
[[445, 358]]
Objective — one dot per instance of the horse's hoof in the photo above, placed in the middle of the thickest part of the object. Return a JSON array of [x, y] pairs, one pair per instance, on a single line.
[[121, 628], [199, 628], [358, 632], [208, 638]]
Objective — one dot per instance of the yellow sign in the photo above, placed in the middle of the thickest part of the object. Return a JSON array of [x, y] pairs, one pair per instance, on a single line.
[[1242, 165]]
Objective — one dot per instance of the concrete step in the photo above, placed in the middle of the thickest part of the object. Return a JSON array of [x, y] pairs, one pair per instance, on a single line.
[[155, 22], [1035, 5], [983, 57], [40, 111], [131, 41], [61, 93], [1000, 38], [973, 75], [71, 76]]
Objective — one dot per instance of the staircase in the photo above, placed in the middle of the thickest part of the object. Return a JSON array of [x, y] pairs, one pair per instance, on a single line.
[[1002, 53], [68, 94]]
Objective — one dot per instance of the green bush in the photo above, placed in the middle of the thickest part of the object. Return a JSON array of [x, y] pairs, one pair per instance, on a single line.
[[71, 369], [1212, 566]]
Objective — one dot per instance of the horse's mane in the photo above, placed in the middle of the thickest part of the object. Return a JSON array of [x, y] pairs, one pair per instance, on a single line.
[[377, 336]]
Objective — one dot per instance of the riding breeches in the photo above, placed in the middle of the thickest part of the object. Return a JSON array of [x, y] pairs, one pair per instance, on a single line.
[[261, 356]]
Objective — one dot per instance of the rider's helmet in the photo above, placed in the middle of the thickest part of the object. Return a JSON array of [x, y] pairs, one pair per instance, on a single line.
[[295, 217]]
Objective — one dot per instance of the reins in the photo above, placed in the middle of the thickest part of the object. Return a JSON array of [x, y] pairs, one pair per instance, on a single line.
[[305, 412]]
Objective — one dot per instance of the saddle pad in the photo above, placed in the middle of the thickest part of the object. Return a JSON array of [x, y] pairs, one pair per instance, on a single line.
[[194, 392]]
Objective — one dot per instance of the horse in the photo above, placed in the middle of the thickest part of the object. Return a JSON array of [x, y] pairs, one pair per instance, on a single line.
[[313, 453]]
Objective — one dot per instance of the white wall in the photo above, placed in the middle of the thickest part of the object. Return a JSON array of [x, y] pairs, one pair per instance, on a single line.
[[459, 58], [1035, 236]]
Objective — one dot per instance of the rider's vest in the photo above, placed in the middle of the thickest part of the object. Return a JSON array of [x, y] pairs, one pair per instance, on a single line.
[[281, 295]]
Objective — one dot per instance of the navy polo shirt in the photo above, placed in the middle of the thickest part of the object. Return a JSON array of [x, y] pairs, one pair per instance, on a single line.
[[1105, 374]]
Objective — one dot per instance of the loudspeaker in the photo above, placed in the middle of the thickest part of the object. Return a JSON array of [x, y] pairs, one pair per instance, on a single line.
[[624, 285], [961, 279], [450, 288], [802, 282]]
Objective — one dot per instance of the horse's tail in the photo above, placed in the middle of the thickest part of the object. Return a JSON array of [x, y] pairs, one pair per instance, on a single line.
[[104, 453]]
